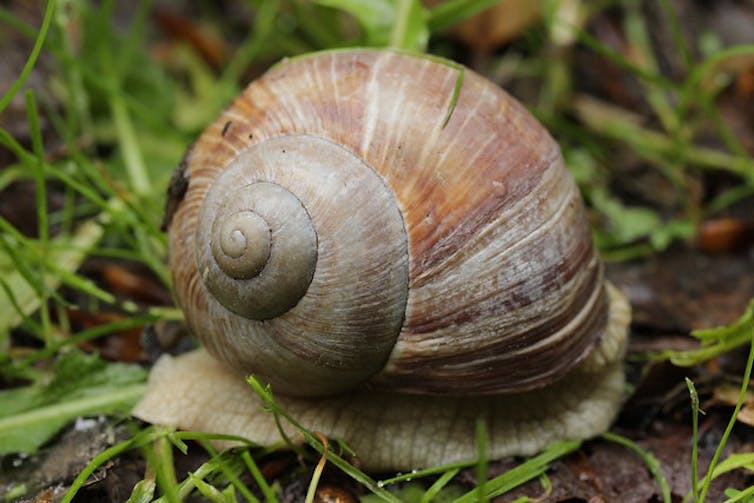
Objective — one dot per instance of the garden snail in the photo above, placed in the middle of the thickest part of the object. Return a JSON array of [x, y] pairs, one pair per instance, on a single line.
[[395, 245]]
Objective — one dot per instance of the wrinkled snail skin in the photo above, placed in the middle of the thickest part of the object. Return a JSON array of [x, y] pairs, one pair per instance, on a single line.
[[354, 228]]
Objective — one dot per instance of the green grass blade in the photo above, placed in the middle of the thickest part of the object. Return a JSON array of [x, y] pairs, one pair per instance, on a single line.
[[88, 334], [524, 472], [31, 61], [140, 439], [715, 341], [746, 381], [15, 23], [376, 17], [481, 441], [143, 491], [30, 292], [265, 395], [426, 472], [159, 456], [648, 458], [452, 12], [410, 29], [694, 435], [438, 486], [264, 487], [228, 472], [23, 432], [733, 462], [745, 496]]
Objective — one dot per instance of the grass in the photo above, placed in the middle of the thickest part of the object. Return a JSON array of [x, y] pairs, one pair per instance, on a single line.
[[122, 119]]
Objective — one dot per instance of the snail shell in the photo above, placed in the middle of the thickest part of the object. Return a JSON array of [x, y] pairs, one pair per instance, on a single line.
[[371, 220], [337, 230]]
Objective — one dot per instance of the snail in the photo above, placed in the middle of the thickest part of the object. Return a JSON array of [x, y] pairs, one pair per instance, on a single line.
[[394, 244]]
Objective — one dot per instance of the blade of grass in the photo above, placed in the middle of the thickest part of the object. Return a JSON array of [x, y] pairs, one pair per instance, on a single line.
[[41, 205], [15, 23], [694, 436], [546, 484], [636, 31], [31, 61], [112, 73], [185, 487], [133, 41], [30, 291], [143, 491], [265, 395], [23, 317], [159, 456], [481, 440], [438, 485], [739, 404], [265, 20], [700, 74], [730, 197], [179, 436], [72, 408], [715, 341], [87, 335], [129, 145], [212, 467], [653, 144], [745, 496], [427, 472], [78, 121], [676, 30], [376, 17], [712, 114], [622, 61], [734, 462], [264, 487], [211, 493], [312, 490], [11, 174], [452, 12], [409, 30], [524, 472], [648, 458], [142, 438], [228, 472]]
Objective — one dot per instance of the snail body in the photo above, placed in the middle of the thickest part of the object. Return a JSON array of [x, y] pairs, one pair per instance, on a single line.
[[358, 230]]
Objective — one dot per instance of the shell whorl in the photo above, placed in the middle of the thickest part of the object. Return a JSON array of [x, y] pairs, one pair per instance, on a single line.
[[241, 267], [240, 242], [302, 255]]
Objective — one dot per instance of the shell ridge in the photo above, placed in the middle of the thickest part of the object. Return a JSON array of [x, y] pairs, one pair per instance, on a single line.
[[429, 142], [482, 232], [486, 234], [372, 107], [551, 339]]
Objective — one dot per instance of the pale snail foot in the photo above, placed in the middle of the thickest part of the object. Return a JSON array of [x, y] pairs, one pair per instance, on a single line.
[[391, 431]]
